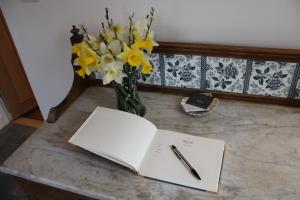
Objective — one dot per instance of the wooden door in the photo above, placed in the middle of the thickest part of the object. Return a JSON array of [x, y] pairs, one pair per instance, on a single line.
[[14, 85]]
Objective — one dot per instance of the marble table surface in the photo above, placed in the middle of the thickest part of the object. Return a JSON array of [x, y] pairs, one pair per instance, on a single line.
[[262, 160]]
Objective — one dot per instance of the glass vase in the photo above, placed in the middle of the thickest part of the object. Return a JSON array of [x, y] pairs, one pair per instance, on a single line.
[[127, 94]]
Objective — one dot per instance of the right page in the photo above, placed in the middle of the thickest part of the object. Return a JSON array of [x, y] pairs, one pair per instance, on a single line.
[[204, 154]]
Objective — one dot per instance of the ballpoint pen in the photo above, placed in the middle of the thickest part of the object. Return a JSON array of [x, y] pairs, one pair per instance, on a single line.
[[186, 163]]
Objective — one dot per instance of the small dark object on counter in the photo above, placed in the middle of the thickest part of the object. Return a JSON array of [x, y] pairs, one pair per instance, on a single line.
[[200, 100], [207, 100]]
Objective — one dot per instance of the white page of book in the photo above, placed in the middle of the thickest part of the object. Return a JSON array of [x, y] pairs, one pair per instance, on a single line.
[[116, 135], [204, 154]]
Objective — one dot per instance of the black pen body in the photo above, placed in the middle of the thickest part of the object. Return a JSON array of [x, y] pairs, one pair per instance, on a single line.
[[185, 162]]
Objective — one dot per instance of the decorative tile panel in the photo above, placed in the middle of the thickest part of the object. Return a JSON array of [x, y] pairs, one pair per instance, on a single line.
[[225, 74], [271, 78], [154, 77], [297, 95], [182, 70], [266, 78]]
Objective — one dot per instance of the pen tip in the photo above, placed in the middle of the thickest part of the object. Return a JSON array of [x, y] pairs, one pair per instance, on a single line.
[[196, 174]]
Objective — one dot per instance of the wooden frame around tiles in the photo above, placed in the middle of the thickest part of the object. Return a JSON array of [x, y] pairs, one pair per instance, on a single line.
[[255, 53]]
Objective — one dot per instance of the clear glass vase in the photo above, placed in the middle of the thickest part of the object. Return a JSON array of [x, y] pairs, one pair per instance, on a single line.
[[127, 94]]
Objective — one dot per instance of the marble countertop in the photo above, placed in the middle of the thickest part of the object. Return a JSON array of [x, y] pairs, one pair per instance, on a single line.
[[262, 160]]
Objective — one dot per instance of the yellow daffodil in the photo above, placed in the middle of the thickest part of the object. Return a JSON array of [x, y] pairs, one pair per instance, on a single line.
[[113, 72], [81, 48], [140, 41], [133, 56], [84, 63], [87, 59], [88, 65], [150, 37], [146, 69], [146, 66], [124, 55], [144, 44], [81, 72], [117, 28], [76, 48]]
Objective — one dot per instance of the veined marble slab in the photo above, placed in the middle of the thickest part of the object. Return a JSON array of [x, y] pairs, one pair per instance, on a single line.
[[262, 160]]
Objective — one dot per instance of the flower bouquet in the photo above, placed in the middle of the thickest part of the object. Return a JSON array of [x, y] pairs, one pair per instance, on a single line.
[[120, 55]]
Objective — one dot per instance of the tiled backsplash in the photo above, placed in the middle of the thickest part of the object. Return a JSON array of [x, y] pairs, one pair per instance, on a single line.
[[267, 78], [244, 76], [297, 92]]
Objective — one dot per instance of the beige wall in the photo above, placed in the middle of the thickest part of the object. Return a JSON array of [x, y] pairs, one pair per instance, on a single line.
[[41, 30]]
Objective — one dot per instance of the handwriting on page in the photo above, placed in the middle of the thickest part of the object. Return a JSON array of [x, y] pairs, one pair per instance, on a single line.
[[158, 148], [187, 143]]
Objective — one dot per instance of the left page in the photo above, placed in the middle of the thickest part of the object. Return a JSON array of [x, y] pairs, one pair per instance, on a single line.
[[116, 135]]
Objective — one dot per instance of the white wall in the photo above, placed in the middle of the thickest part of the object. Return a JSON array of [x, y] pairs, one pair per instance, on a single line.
[[41, 30]]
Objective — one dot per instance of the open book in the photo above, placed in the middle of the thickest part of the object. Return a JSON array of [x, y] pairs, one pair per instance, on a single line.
[[136, 143]]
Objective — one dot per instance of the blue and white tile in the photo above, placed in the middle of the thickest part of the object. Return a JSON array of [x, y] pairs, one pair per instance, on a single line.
[[297, 96], [225, 74], [270, 78], [182, 70], [154, 77]]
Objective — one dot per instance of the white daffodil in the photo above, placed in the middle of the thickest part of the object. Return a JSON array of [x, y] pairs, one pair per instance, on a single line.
[[106, 58], [93, 41], [140, 28], [113, 72], [123, 35], [109, 35], [115, 47], [103, 48]]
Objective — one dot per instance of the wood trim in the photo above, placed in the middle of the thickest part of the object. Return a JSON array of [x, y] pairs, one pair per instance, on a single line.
[[29, 122], [79, 84], [217, 94], [222, 95], [256, 53], [14, 85]]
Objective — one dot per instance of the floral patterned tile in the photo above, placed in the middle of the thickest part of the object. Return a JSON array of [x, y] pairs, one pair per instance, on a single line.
[[225, 74], [271, 78], [182, 70], [298, 90], [154, 77]]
